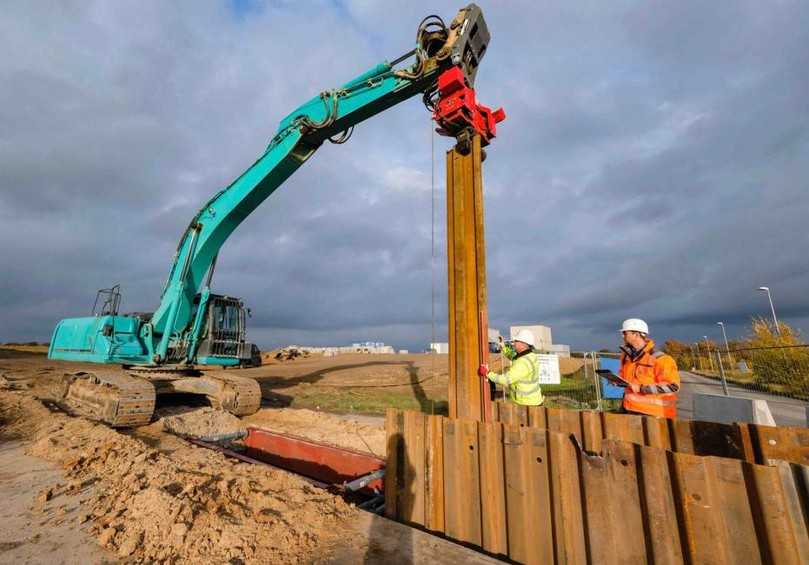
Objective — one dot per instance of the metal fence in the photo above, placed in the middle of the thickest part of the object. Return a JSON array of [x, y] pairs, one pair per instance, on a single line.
[[580, 386], [776, 370]]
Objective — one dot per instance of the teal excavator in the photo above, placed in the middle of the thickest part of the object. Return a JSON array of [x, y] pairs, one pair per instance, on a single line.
[[194, 328]]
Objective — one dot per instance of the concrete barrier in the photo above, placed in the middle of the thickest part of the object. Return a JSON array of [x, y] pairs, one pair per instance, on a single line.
[[731, 409]]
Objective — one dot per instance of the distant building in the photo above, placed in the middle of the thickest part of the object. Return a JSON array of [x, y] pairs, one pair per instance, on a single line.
[[441, 347], [371, 347], [368, 345]]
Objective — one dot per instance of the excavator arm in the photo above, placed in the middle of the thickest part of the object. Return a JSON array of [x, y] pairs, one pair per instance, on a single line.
[[442, 68]]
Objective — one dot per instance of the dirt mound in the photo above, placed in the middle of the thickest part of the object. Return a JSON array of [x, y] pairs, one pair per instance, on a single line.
[[361, 434], [569, 365], [284, 354], [20, 350], [21, 416], [192, 505], [203, 423]]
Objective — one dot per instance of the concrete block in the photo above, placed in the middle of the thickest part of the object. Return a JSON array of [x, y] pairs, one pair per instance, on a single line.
[[730, 409]]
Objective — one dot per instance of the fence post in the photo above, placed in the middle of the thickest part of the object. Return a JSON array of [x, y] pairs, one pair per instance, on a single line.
[[722, 373], [596, 378]]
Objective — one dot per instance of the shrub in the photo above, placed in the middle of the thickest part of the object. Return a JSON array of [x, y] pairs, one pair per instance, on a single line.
[[775, 358]]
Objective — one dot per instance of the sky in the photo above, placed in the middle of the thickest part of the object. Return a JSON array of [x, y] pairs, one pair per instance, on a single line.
[[654, 163]]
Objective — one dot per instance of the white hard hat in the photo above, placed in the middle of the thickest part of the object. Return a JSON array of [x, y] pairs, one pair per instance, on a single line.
[[634, 325], [525, 336]]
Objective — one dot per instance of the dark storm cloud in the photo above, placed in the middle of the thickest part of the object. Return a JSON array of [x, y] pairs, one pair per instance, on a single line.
[[653, 163]]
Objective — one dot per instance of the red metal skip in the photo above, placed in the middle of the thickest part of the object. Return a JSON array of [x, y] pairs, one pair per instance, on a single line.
[[324, 463]]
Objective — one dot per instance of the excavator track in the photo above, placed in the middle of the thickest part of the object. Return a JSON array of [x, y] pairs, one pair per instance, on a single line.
[[238, 395], [117, 399], [128, 400]]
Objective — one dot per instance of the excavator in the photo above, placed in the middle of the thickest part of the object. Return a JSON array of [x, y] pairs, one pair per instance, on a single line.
[[193, 328]]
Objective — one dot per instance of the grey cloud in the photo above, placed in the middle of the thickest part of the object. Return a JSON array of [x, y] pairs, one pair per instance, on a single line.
[[653, 163]]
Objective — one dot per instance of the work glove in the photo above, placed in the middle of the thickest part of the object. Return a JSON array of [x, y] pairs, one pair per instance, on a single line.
[[483, 370]]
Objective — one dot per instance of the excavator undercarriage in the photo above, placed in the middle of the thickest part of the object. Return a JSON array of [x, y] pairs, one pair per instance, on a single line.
[[127, 398]]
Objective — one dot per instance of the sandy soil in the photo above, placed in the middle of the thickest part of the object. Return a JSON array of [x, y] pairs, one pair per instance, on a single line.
[[186, 505], [202, 423], [148, 496], [40, 523], [358, 433]]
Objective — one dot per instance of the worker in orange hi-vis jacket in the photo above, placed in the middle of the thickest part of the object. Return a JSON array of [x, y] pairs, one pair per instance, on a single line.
[[651, 376]]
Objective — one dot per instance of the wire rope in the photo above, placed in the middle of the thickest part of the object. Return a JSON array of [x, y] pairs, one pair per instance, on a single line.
[[432, 253]]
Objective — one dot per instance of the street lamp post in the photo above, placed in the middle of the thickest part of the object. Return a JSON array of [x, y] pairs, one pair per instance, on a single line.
[[727, 347], [708, 347], [772, 308]]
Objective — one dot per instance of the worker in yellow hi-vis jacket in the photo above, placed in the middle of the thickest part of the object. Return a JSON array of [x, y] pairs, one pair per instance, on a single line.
[[522, 378]]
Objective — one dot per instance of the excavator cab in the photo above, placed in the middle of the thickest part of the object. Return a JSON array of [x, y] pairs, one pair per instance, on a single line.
[[107, 301], [223, 340]]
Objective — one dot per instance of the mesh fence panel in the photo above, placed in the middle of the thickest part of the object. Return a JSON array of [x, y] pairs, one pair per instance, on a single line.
[[579, 387], [777, 370]]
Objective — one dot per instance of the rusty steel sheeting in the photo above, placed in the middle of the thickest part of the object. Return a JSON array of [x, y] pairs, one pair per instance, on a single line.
[[469, 395], [536, 496], [748, 442]]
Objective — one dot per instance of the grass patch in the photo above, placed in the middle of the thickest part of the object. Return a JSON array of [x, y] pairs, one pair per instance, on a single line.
[[369, 402]]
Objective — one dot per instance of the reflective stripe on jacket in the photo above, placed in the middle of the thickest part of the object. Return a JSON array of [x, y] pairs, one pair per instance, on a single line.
[[521, 380], [656, 374]]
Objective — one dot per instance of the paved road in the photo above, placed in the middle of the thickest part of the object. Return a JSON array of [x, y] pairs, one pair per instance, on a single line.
[[785, 411]]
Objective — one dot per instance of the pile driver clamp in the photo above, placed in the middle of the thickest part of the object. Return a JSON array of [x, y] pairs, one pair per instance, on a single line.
[[193, 327]]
